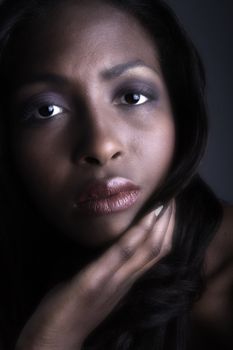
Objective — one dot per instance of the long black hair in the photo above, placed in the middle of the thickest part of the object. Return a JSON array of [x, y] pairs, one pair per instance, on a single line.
[[156, 312]]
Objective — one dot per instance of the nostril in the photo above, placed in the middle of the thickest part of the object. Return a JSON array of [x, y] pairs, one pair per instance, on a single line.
[[92, 160], [116, 155], [99, 160]]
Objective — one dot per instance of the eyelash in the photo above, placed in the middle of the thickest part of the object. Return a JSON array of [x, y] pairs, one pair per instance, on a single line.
[[36, 111], [30, 113], [133, 95], [148, 93]]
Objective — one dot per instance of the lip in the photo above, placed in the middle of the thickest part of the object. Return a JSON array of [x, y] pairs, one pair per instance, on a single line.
[[107, 196]]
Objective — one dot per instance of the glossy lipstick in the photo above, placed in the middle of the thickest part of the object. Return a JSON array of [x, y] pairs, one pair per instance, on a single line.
[[107, 196]]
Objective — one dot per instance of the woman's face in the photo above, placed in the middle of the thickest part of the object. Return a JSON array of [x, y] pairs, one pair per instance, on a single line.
[[93, 129]]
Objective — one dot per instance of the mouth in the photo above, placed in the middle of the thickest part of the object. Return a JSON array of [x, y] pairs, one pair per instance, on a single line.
[[107, 196]]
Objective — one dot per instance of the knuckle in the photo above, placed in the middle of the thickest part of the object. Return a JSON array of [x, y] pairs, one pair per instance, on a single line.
[[154, 251], [126, 252], [90, 286], [146, 226], [92, 292]]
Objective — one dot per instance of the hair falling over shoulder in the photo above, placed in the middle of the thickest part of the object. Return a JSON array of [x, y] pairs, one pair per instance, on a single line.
[[156, 312]]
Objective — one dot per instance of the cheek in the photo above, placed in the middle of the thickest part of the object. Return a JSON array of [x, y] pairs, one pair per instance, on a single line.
[[43, 158], [39, 161], [159, 142], [159, 149]]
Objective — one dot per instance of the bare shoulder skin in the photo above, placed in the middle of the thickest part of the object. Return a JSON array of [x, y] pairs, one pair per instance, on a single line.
[[214, 310]]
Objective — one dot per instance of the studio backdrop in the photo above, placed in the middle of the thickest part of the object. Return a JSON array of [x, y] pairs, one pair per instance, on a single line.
[[210, 25]]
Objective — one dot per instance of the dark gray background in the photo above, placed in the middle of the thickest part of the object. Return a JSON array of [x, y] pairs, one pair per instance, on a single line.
[[210, 25]]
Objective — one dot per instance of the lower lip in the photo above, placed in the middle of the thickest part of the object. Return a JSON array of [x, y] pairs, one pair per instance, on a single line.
[[112, 204]]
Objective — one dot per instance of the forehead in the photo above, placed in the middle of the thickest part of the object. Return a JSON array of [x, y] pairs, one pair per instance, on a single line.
[[73, 35]]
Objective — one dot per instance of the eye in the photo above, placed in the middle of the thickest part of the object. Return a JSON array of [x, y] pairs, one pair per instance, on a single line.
[[133, 99], [47, 111], [42, 112]]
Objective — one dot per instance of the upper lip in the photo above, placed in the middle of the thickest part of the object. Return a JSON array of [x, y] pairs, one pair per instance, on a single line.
[[105, 188]]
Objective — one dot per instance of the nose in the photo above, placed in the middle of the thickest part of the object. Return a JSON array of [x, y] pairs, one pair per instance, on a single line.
[[101, 142]]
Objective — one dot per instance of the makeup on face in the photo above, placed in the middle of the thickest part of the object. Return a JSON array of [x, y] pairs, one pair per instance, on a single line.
[[42, 101], [93, 132], [107, 196]]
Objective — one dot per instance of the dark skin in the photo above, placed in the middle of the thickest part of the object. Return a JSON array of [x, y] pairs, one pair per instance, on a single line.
[[92, 133], [95, 134]]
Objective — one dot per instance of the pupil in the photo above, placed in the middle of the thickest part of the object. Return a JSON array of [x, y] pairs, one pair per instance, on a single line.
[[132, 98], [46, 111]]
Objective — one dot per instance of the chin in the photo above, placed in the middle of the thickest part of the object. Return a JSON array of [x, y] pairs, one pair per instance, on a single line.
[[98, 231]]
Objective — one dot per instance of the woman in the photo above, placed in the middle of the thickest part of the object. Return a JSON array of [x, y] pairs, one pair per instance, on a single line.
[[110, 239]]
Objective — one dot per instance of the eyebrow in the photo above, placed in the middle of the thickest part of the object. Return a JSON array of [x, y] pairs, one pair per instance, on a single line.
[[119, 69], [46, 77], [108, 74]]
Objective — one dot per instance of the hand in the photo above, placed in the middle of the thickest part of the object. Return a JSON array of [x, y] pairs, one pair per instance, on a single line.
[[72, 310]]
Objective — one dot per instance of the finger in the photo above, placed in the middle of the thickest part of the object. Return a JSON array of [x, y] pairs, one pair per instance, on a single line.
[[105, 266], [137, 236], [166, 244], [154, 243], [146, 253], [168, 238]]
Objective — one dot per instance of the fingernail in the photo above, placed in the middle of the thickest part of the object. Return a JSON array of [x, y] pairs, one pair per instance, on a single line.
[[158, 210]]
